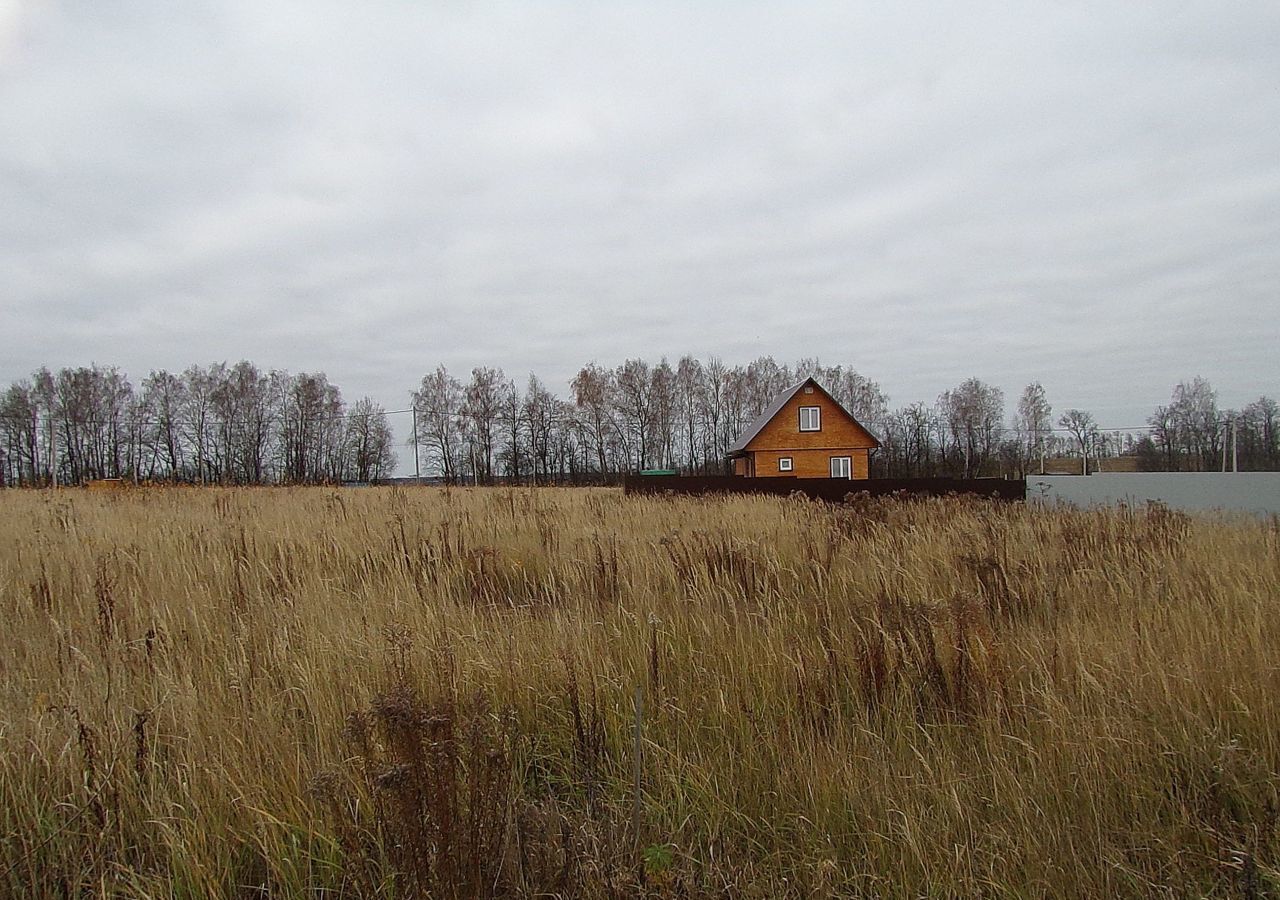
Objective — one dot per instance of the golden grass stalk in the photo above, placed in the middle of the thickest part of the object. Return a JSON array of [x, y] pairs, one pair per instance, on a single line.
[[431, 692]]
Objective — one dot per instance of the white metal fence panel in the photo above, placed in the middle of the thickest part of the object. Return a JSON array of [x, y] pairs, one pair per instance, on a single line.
[[1254, 492]]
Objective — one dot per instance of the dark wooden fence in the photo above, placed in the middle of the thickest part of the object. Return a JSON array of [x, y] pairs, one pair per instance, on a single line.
[[830, 489]]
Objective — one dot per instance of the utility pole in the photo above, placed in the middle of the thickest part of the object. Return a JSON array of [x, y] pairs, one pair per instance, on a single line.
[[417, 473], [1235, 433], [53, 450]]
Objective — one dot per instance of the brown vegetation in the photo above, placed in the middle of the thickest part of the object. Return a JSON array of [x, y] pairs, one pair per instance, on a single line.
[[432, 692]]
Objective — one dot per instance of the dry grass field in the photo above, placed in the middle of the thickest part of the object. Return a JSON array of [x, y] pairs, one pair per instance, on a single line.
[[386, 692]]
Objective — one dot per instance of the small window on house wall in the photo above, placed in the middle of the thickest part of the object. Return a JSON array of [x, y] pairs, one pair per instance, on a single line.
[[784, 464], [811, 418]]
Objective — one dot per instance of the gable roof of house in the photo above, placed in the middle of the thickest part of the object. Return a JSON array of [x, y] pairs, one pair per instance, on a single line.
[[775, 406]]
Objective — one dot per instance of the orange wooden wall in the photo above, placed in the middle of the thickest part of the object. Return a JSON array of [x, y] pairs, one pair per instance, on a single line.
[[810, 451], [839, 432], [808, 463]]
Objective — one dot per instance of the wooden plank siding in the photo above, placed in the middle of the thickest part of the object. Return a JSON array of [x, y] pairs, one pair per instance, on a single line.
[[809, 463], [810, 451]]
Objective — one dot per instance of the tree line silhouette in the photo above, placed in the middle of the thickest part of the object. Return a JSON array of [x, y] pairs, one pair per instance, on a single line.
[[238, 424]]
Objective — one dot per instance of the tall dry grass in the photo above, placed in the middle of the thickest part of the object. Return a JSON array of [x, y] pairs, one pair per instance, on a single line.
[[432, 692]]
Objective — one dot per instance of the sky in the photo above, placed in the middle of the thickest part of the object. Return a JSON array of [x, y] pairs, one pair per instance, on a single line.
[[1083, 194]]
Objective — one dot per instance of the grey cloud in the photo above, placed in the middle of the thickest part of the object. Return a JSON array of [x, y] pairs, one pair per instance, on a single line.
[[1083, 194]]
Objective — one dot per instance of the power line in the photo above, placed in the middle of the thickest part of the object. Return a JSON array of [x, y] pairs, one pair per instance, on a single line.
[[462, 413], [158, 422]]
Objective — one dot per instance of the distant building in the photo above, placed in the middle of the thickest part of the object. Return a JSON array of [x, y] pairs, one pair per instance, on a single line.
[[804, 433], [1072, 465]]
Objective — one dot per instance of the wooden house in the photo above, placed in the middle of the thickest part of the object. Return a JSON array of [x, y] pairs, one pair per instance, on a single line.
[[804, 433]]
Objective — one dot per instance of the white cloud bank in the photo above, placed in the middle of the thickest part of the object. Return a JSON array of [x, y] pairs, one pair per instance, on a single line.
[[1084, 194]]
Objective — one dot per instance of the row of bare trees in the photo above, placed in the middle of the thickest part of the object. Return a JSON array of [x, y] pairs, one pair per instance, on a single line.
[[221, 424], [240, 425], [635, 416], [963, 434], [1192, 433], [685, 416]]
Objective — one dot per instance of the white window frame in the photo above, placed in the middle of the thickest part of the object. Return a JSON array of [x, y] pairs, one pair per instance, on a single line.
[[814, 419], [786, 464], [847, 466]]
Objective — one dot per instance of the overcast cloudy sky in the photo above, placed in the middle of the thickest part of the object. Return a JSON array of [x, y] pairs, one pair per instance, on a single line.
[[1084, 194]]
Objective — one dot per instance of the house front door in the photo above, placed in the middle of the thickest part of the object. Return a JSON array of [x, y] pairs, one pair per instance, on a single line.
[[841, 467]]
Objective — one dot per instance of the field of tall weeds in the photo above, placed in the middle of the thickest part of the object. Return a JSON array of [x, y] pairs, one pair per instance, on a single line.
[[541, 692]]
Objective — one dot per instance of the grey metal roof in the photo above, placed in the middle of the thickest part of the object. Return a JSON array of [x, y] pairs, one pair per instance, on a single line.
[[775, 407]]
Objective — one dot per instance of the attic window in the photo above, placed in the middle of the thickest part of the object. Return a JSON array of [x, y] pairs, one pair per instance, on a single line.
[[808, 389], [811, 418]]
